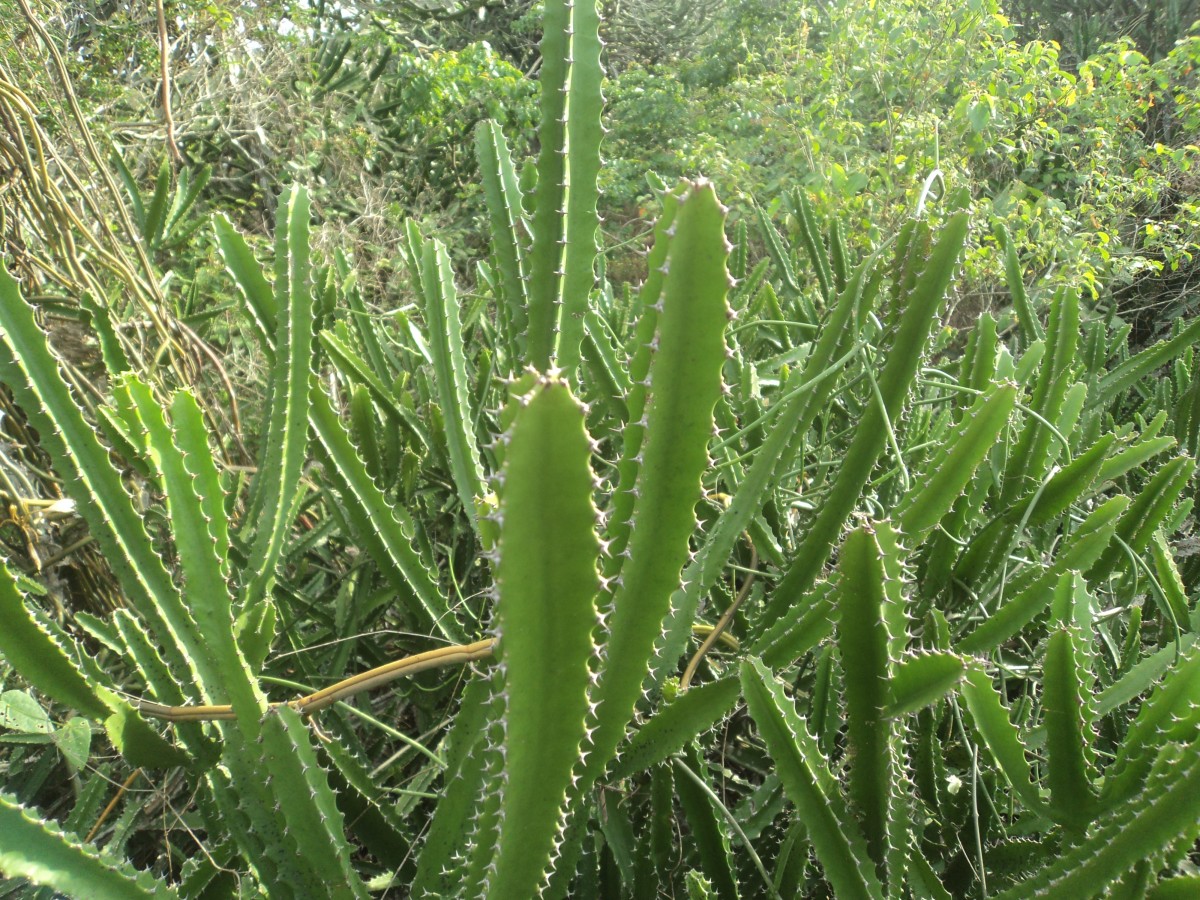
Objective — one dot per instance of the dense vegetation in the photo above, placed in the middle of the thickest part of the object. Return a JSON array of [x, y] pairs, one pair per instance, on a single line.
[[446, 453]]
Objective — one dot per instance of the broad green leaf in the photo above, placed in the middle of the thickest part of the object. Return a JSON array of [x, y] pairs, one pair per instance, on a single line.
[[20, 712]]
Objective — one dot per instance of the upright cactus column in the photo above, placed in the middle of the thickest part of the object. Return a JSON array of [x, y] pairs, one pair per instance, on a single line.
[[687, 351], [545, 614], [560, 265]]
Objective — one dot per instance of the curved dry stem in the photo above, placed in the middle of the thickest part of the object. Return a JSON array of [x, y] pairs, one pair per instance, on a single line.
[[722, 624], [455, 654]]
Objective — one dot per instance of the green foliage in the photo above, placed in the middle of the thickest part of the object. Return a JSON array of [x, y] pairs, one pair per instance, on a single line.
[[410, 111], [930, 597], [862, 104]]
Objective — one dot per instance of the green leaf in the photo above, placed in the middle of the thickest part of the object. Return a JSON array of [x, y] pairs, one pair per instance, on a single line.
[[862, 645], [503, 196], [451, 381], [216, 659], [464, 779], [685, 382], [140, 744], [34, 849], [1031, 597], [1139, 453], [1145, 515], [951, 466], [1119, 379], [870, 438], [1000, 736], [581, 221], [1174, 592], [704, 823], [156, 211], [1172, 711], [546, 254], [1165, 812], [305, 804], [248, 275], [633, 435], [676, 724], [39, 658], [810, 236], [921, 680], [1183, 887], [778, 252], [20, 712], [1142, 676], [805, 394], [32, 373], [1071, 798], [801, 628], [74, 741], [285, 444], [836, 839], [1031, 456], [356, 369], [378, 522], [1066, 486], [1031, 328]]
